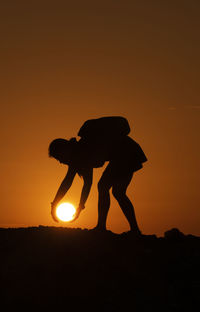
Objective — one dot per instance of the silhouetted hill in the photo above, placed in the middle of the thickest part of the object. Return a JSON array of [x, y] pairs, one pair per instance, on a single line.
[[51, 267]]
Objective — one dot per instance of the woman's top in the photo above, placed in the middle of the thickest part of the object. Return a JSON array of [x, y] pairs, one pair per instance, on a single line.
[[123, 151]]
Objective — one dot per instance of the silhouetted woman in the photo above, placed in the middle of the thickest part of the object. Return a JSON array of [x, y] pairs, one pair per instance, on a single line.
[[125, 156]]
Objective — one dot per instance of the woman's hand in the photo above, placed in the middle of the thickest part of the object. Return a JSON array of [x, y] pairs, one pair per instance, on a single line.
[[81, 207], [78, 211], [53, 212]]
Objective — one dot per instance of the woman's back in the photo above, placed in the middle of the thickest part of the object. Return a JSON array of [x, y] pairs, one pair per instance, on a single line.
[[94, 154]]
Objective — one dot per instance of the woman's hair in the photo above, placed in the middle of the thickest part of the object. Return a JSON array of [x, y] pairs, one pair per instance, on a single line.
[[58, 146]]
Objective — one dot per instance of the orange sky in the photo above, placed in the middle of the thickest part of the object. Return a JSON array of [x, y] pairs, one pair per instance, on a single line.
[[62, 64]]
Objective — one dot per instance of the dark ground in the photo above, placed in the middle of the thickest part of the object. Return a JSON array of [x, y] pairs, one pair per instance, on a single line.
[[63, 268]]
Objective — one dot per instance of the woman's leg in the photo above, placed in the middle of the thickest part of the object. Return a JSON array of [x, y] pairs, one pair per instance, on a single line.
[[104, 186], [119, 192]]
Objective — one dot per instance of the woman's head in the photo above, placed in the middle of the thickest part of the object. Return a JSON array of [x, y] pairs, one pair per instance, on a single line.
[[61, 149]]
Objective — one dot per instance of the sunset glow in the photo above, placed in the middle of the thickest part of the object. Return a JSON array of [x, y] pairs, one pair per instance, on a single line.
[[65, 212], [64, 63]]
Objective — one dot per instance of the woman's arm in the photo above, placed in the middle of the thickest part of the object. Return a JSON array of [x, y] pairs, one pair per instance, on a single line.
[[87, 178], [64, 187]]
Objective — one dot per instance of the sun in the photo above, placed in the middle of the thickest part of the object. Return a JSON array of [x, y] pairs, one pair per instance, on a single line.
[[65, 212]]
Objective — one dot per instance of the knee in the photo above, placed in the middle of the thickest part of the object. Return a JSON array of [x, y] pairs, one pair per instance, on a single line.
[[101, 187], [117, 193]]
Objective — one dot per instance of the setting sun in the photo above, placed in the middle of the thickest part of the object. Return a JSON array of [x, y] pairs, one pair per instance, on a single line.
[[65, 212]]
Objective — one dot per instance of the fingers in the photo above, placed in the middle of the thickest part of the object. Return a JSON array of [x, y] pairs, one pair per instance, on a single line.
[[78, 211], [54, 218], [53, 213]]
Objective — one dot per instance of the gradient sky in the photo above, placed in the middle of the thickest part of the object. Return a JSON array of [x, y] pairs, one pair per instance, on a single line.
[[64, 62]]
